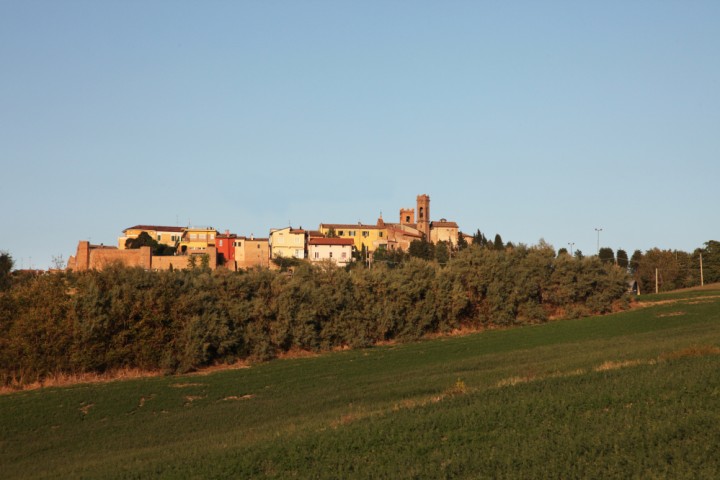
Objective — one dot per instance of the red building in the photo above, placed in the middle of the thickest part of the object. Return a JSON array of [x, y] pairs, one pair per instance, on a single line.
[[225, 245]]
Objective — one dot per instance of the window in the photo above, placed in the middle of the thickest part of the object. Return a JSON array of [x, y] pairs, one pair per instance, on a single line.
[[317, 254], [351, 233], [220, 243], [330, 254], [258, 245], [344, 255], [407, 219], [365, 233], [212, 236], [380, 234], [340, 233], [193, 236], [422, 213], [159, 237]]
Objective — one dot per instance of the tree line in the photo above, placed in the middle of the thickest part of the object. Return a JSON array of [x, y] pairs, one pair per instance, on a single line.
[[178, 321]]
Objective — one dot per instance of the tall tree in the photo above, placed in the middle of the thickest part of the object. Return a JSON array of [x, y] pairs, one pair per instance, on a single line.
[[462, 242], [6, 266], [498, 243], [635, 260], [711, 261], [607, 255], [622, 259]]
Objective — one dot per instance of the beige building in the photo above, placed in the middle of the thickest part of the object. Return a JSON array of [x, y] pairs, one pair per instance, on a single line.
[[287, 242], [252, 252], [336, 250], [444, 231], [164, 235]]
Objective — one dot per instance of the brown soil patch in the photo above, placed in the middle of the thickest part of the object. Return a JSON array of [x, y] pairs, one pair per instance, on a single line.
[[696, 351], [297, 353], [670, 314], [85, 408], [243, 397], [191, 398]]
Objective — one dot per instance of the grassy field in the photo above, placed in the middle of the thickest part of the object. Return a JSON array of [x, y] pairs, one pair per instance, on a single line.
[[631, 395]]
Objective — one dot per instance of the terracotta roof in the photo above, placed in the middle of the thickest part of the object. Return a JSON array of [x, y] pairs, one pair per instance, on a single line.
[[331, 241], [156, 228], [254, 239], [444, 224], [350, 226]]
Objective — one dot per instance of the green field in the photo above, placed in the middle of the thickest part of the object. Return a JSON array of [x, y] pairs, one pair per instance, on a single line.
[[631, 395]]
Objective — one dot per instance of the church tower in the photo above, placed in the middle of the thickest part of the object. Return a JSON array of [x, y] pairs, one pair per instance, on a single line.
[[423, 215]]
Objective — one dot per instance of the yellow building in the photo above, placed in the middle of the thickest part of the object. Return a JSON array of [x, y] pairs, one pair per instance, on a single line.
[[288, 242], [164, 235], [368, 237], [196, 239]]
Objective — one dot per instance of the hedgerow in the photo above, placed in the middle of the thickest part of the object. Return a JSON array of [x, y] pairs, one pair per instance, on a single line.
[[178, 321]]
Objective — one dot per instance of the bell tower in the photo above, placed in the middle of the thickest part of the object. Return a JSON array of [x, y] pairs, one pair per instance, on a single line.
[[423, 215]]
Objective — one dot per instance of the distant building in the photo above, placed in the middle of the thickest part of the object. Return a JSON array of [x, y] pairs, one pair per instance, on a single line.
[[288, 242], [336, 250], [99, 257], [197, 239], [365, 237], [225, 246], [164, 235], [252, 252]]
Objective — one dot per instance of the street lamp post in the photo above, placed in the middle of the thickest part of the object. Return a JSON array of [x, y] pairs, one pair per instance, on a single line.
[[572, 248], [598, 230]]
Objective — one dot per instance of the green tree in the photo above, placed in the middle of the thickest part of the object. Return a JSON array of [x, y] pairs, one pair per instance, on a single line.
[[479, 239], [562, 251], [442, 253], [606, 255], [498, 243], [6, 266], [635, 261], [711, 261], [622, 259], [422, 249], [462, 242], [145, 240]]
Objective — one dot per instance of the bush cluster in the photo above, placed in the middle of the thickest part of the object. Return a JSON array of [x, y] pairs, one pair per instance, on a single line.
[[179, 321]]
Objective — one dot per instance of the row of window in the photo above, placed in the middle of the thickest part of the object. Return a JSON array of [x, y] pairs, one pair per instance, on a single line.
[[352, 233], [343, 255], [202, 236]]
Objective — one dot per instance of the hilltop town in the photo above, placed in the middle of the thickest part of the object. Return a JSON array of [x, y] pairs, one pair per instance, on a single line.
[[156, 247]]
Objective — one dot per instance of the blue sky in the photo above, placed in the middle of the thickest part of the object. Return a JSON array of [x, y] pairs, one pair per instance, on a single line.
[[529, 119]]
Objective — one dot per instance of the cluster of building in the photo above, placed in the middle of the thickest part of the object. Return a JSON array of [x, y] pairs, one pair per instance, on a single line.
[[333, 242]]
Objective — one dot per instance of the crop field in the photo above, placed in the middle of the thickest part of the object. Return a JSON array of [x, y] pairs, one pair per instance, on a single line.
[[629, 395]]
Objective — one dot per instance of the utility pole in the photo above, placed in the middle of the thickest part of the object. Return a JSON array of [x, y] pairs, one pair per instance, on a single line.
[[702, 280], [572, 248], [598, 230]]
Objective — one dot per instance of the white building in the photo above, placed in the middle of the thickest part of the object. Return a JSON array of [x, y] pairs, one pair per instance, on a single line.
[[337, 250]]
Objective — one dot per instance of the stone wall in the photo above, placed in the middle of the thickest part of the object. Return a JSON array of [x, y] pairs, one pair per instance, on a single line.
[[98, 257]]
